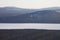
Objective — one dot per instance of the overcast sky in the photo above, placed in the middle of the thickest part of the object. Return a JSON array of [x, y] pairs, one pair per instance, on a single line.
[[30, 3]]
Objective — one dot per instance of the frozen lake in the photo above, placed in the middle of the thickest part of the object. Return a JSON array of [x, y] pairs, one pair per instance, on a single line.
[[29, 26]]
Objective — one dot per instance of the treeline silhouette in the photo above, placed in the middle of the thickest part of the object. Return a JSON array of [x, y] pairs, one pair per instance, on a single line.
[[29, 34]]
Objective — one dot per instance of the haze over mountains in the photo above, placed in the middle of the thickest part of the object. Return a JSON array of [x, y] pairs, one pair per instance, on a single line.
[[18, 15]]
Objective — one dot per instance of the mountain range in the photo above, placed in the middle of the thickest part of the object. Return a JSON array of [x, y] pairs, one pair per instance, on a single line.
[[18, 15], [14, 11]]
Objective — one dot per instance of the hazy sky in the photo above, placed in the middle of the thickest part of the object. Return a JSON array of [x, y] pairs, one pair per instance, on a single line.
[[30, 3]]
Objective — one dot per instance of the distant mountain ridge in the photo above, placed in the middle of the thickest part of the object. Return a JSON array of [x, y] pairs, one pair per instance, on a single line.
[[51, 8], [47, 15], [13, 11]]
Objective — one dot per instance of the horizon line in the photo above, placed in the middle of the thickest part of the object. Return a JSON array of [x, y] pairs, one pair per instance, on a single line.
[[27, 8]]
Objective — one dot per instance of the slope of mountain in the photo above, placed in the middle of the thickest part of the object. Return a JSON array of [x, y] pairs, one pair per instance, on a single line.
[[51, 8], [41, 16], [45, 16], [14, 11]]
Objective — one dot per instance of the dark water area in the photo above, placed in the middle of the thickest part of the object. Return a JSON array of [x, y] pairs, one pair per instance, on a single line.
[[29, 34]]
